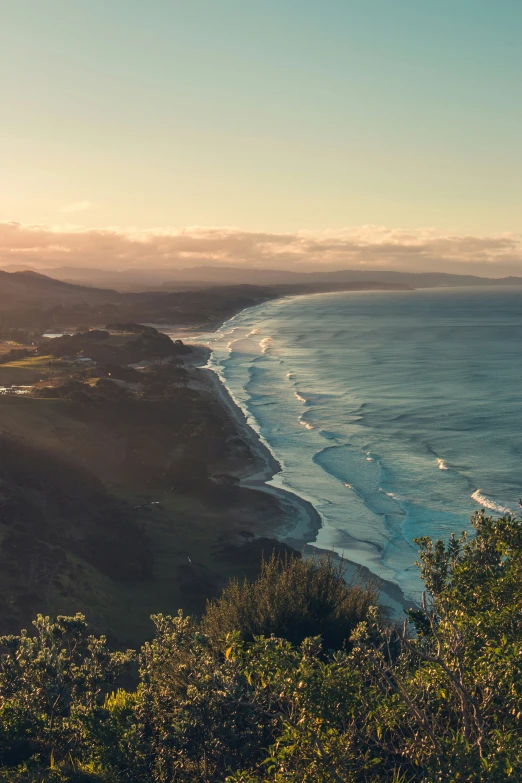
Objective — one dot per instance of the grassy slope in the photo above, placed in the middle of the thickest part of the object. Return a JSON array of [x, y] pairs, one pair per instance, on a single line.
[[127, 446]]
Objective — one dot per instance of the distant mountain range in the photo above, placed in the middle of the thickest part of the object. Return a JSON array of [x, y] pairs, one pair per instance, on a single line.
[[204, 296], [31, 300], [179, 279]]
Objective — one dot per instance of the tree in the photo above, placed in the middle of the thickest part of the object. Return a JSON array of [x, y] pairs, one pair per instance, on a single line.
[[293, 598], [52, 685], [439, 704]]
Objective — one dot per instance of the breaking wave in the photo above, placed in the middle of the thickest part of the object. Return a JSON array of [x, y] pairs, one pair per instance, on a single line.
[[389, 400], [486, 502], [266, 344]]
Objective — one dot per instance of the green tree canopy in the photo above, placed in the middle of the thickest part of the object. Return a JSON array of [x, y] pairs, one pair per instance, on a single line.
[[227, 701]]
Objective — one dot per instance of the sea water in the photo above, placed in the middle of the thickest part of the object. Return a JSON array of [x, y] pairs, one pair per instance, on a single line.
[[397, 414]]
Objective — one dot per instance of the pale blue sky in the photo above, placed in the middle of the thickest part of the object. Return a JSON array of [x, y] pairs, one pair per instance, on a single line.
[[274, 115]]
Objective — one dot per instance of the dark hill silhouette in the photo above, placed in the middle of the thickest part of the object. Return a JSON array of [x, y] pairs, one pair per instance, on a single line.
[[31, 300], [26, 287]]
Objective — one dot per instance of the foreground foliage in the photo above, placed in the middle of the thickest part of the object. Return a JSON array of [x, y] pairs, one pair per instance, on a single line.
[[441, 703], [292, 598]]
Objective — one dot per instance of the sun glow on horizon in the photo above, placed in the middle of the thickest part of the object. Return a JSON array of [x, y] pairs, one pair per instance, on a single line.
[[271, 118]]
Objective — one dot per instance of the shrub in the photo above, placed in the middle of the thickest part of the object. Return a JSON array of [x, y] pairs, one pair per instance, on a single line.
[[293, 598], [52, 685], [441, 706]]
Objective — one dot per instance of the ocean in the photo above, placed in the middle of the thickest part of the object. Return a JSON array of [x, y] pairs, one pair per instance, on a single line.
[[397, 414]]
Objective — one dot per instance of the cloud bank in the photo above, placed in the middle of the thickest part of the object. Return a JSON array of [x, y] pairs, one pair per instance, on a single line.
[[363, 247]]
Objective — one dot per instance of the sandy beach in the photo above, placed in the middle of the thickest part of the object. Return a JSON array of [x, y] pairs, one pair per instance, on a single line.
[[304, 520]]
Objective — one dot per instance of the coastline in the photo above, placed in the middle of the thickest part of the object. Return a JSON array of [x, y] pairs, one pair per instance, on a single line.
[[306, 519]]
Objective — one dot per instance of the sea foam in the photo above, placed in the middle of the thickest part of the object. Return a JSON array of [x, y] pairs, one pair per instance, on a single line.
[[486, 502], [266, 344], [393, 399]]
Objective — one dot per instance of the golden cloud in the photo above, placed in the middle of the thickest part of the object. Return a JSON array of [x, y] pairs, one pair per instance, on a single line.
[[363, 247]]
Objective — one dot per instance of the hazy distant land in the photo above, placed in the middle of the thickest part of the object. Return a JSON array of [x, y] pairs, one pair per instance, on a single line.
[[141, 279]]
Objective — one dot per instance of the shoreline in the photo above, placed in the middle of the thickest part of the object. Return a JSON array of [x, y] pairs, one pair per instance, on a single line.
[[300, 534]]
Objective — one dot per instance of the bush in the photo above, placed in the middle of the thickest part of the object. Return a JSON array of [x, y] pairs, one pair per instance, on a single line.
[[293, 598], [440, 706], [52, 686]]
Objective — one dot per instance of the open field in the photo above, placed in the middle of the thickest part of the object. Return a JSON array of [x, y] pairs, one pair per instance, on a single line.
[[31, 370], [8, 345]]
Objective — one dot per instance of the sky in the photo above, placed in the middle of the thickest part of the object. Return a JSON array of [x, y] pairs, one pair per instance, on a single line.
[[383, 133]]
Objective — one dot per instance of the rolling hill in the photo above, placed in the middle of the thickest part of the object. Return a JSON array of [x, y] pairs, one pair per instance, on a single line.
[[31, 288], [34, 301]]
